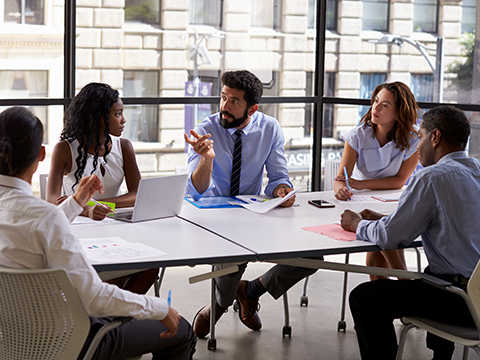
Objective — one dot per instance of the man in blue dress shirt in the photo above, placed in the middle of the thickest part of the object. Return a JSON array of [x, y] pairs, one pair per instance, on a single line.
[[439, 204], [210, 164]]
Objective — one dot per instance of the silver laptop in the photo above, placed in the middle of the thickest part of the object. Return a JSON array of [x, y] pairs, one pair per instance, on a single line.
[[157, 198]]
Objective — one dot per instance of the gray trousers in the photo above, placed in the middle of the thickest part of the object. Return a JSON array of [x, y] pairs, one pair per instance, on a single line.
[[277, 281], [138, 337]]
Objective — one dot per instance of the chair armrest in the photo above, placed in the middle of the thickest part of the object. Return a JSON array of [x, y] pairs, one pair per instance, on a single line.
[[116, 322], [434, 281]]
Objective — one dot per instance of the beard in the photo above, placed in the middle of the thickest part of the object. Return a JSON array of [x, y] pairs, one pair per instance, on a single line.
[[236, 122]]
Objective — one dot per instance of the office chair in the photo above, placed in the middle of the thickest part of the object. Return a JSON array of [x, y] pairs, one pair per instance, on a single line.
[[42, 317], [466, 336]]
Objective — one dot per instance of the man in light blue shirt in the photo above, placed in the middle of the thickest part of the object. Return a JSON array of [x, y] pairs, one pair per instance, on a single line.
[[437, 205], [211, 165]]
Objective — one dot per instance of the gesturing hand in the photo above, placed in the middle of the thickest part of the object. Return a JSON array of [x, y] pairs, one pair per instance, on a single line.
[[201, 145]]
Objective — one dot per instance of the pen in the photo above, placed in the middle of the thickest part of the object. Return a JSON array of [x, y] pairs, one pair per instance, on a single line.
[[169, 301], [99, 203], [346, 179], [253, 199]]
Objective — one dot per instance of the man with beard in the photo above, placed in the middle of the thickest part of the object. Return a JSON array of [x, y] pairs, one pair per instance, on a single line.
[[216, 161]]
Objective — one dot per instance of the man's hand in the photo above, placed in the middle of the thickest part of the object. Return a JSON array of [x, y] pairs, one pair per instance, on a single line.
[[171, 323], [202, 146], [349, 220], [368, 214], [282, 191], [86, 188]]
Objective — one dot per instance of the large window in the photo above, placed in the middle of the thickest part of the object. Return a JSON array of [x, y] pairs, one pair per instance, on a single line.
[[332, 9], [422, 87], [205, 12], [266, 13], [142, 121], [24, 12], [375, 15], [145, 11], [425, 15], [469, 11]]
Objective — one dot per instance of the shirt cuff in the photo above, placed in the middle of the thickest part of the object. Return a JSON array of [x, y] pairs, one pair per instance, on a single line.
[[270, 187], [362, 228], [71, 208], [191, 190]]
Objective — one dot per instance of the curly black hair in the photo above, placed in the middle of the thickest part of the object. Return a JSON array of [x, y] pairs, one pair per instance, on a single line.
[[83, 121], [246, 81]]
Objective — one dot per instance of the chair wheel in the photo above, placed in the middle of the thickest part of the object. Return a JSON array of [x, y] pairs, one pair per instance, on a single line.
[[235, 305], [304, 300], [287, 330], [212, 344], [342, 325]]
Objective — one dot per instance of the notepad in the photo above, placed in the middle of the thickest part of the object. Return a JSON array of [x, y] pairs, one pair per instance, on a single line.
[[387, 197]]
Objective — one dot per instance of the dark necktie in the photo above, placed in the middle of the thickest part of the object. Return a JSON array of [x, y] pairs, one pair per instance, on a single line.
[[237, 164]]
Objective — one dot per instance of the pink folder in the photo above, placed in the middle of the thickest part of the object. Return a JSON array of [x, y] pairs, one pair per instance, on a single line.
[[334, 231]]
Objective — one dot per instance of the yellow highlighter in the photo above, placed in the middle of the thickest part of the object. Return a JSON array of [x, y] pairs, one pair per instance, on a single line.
[[110, 205]]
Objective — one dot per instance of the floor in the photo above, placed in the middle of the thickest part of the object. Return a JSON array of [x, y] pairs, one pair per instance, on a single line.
[[314, 328]]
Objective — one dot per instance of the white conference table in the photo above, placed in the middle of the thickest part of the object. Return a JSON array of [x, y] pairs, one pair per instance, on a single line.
[[183, 243], [278, 234]]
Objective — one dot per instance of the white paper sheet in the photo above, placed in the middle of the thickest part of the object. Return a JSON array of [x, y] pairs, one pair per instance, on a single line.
[[262, 207], [115, 249]]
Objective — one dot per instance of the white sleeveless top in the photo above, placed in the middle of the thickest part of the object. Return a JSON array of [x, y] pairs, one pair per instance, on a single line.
[[114, 172]]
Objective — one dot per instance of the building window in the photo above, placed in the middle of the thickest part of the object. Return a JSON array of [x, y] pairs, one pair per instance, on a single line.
[[205, 12], [271, 87], [425, 15], [26, 84], [469, 10], [422, 87], [328, 109], [375, 15], [24, 12], [332, 8], [144, 11], [266, 13], [368, 83], [142, 120]]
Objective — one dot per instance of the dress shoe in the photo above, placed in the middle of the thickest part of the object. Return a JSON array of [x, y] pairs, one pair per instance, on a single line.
[[248, 309], [201, 322]]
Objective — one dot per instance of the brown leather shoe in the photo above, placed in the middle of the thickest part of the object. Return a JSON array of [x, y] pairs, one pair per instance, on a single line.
[[201, 322], [247, 310]]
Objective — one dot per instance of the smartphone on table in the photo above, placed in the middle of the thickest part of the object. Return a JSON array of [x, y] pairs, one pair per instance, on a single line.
[[321, 203]]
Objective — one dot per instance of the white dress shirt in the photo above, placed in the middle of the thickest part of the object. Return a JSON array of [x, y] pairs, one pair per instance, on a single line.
[[36, 235]]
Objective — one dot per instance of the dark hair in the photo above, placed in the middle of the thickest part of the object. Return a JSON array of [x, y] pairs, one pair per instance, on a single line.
[[452, 123], [407, 113], [83, 122], [21, 136], [246, 81]]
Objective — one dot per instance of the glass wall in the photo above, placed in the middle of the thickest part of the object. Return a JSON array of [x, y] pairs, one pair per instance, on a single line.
[[162, 55]]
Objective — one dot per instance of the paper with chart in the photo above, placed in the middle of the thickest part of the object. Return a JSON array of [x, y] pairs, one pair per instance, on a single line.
[[115, 249], [264, 205]]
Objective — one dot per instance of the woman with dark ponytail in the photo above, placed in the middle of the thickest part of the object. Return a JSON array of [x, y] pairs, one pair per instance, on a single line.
[[90, 144]]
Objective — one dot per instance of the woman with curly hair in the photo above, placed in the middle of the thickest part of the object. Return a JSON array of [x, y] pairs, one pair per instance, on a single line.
[[381, 153], [90, 144]]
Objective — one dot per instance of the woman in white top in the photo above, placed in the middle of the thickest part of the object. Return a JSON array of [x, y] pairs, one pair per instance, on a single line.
[[90, 144], [381, 154]]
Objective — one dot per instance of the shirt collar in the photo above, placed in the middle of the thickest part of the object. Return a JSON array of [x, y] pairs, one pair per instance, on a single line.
[[452, 155], [16, 183], [247, 128]]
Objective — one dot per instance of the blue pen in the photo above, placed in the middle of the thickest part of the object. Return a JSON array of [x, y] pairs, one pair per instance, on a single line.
[[346, 180], [169, 301]]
